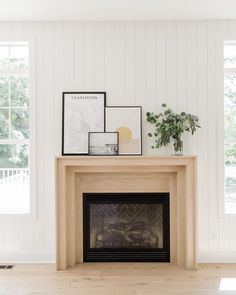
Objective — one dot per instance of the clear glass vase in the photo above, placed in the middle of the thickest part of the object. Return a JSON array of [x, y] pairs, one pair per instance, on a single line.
[[178, 146]]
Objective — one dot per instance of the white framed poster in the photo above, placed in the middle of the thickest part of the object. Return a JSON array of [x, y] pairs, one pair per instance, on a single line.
[[127, 121], [82, 112]]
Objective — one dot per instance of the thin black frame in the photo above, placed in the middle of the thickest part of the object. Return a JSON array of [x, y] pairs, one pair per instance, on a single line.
[[141, 131], [63, 115], [132, 198], [117, 142]]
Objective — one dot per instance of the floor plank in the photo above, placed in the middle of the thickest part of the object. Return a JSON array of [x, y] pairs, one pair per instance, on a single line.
[[116, 279]]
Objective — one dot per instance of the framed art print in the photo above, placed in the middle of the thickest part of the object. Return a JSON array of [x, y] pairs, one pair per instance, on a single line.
[[82, 112], [103, 143], [127, 121]]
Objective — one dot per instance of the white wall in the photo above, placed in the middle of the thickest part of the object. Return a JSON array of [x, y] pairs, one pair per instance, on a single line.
[[140, 63]]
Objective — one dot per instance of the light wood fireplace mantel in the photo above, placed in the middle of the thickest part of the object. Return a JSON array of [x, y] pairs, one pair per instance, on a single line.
[[175, 174]]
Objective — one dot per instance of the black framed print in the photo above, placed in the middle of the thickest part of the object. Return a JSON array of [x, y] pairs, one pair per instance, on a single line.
[[127, 121], [82, 112], [103, 143]]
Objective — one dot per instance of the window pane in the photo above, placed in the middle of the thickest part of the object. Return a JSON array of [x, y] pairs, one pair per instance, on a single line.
[[230, 56], [19, 57], [230, 127], [19, 92], [230, 124], [4, 57], [14, 126], [230, 154], [14, 155], [4, 123], [19, 123], [230, 188], [4, 91], [230, 90], [14, 179], [230, 178]]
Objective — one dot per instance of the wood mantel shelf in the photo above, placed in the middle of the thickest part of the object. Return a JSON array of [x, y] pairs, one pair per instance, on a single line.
[[78, 174]]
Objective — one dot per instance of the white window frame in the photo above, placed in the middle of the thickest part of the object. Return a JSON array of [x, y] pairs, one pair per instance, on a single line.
[[32, 128], [221, 128]]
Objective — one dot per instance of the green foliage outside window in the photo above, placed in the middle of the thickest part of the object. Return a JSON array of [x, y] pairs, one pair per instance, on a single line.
[[230, 120], [14, 114], [13, 156]]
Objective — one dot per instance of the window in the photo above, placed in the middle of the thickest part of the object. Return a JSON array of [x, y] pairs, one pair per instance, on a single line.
[[14, 128], [230, 125]]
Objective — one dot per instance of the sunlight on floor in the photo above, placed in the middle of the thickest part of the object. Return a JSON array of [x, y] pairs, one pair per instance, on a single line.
[[228, 284]]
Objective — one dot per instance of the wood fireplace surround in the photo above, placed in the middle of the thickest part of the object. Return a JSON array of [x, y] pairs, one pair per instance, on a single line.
[[77, 175]]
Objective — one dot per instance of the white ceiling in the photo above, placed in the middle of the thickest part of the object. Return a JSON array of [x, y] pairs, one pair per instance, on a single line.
[[69, 10]]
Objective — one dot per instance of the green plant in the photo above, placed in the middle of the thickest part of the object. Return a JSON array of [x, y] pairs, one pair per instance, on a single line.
[[169, 125]]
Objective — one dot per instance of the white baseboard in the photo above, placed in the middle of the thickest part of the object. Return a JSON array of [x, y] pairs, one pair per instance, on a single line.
[[217, 257], [28, 257]]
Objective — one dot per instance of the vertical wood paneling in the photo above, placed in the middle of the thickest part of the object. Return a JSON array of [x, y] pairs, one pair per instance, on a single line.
[[130, 62], [151, 80], [41, 136], [143, 63], [224, 224], [203, 202], [69, 53], [18, 245], [171, 63], [99, 57], [58, 76], [45, 237], [181, 72], [140, 62], [44, 103], [212, 137], [119, 69], [7, 237], [160, 63], [89, 52], [191, 82], [110, 62], [160, 75], [181, 61], [79, 38], [151, 65]]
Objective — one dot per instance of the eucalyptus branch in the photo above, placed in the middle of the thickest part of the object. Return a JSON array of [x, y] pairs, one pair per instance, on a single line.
[[169, 125]]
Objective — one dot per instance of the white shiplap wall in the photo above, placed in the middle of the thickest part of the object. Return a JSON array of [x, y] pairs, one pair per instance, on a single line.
[[143, 63]]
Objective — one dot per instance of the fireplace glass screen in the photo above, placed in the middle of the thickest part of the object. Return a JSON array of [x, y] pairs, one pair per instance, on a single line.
[[126, 226]]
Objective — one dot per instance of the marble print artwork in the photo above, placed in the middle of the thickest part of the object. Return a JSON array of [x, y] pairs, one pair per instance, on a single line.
[[83, 113]]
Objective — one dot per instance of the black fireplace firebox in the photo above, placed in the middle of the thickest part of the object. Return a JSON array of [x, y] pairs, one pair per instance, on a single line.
[[126, 227]]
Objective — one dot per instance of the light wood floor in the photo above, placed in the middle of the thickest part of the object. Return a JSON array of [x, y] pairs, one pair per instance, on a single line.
[[116, 279]]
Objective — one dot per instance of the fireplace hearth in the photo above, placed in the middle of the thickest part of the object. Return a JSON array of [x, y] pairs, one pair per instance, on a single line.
[[126, 227]]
